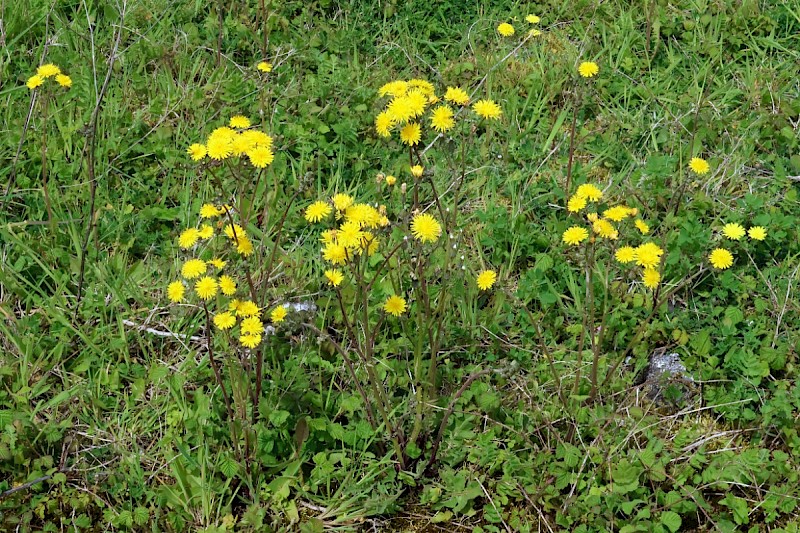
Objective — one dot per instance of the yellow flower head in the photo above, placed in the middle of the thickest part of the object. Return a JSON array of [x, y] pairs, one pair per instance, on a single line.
[[247, 308], [592, 217], [411, 133], [456, 95], [217, 263], [250, 341], [234, 231], [278, 314], [648, 255], [394, 88], [588, 69], [575, 235], [699, 166], [224, 320], [244, 246], [487, 109], [590, 192], [533, 19], [205, 232], [342, 201], [34, 82], [384, 123], [206, 288], [642, 226], [442, 118], [394, 305], [625, 254], [335, 277], [188, 238], [239, 121], [256, 139], [720, 258], [317, 211], [193, 268], [486, 279], [505, 29], [264, 67], [209, 211], [390, 180], [64, 80], [535, 32], [733, 231], [417, 171], [197, 151], [335, 253], [260, 156], [219, 148], [227, 285], [252, 325], [758, 233], [425, 228], [576, 203], [605, 229], [616, 213], [48, 70], [651, 278], [175, 291]]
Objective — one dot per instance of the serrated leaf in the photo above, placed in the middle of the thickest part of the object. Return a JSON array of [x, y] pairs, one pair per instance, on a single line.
[[671, 520]]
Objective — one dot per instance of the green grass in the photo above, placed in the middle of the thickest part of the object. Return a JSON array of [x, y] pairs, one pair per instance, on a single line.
[[112, 411]]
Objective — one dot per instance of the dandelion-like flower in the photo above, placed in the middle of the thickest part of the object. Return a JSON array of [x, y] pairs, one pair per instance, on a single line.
[[205, 232], [244, 246], [425, 228], [442, 118], [188, 238], [342, 201], [206, 288], [533, 19], [589, 191], [193, 268], [642, 226], [239, 121], [383, 124], [219, 148], [575, 235], [227, 285], [264, 67], [390, 180], [535, 32], [217, 263], [34, 82], [209, 211], [605, 229], [224, 320], [411, 133], [252, 325], [617, 213], [588, 69], [317, 211], [278, 314], [250, 341], [576, 203], [247, 308], [625, 254], [175, 291], [197, 151], [48, 70], [395, 305], [505, 29], [758, 233], [699, 166], [651, 278], [335, 253], [335, 277], [487, 109], [720, 258], [648, 255], [417, 171], [456, 95], [733, 231], [64, 80], [486, 279], [260, 156]]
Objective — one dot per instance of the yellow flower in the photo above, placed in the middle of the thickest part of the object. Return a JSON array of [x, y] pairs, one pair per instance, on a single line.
[[257, 139], [505, 29], [234, 232], [721, 258], [349, 234], [487, 109], [411, 133], [417, 102], [241, 144], [616, 213], [442, 118], [206, 288], [244, 246], [224, 320], [250, 341], [64, 80], [535, 32], [335, 277], [317, 211], [575, 235], [252, 325], [342, 201], [193, 268], [175, 291], [605, 229], [188, 238], [486, 279], [758, 233], [394, 305], [533, 19], [425, 228], [651, 278], [227, 285], [456, 95], [264, 66], [590, 192], [417, 171], [278, 314], [390, 180], [642, 226], [733, 231], [576, 203], [592, 217], [205, 232], [217, 263], [209, 211], [625, 254], [260, 156], [34, 81], [196, 151], [48, 70], [424, 86], [383, 124], [699, 166], [247, 308], [588, 69], [219, 148], [239, 121], [335, 253], [394, 88], [648, 255]]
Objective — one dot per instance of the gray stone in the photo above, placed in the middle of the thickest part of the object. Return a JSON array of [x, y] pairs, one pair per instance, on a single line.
[[667, 381]]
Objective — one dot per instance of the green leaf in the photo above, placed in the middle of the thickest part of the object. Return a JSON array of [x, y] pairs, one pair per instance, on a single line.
[[671, 520]]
